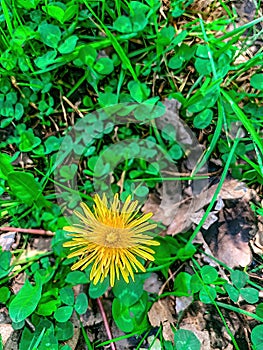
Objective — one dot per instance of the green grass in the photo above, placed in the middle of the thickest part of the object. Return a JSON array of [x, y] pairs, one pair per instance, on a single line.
[[100, 54]]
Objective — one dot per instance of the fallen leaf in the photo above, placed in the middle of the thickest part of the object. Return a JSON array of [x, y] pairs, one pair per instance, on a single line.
[[229, 238], [7, 240], [6, 330], [152, 284], [171, 191], [182, 303], [180, 217], [161, 314]]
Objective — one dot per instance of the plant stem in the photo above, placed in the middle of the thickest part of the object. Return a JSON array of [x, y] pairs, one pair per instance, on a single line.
[[106, 323], [27, 230]]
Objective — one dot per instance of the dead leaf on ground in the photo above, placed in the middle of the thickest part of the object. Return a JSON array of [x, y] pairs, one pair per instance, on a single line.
[[6, 330], [229, 237], [161, 314], [7, 240], [167, 205], [152, 284], [182, 303], [229, 226]]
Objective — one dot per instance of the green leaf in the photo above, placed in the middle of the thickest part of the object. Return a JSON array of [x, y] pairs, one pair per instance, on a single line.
[[259, 310], [95, 291], [57, 243], [87, 55], [203, 119], [139, 21], [203, 66], [67, 295], [107, 99], [129, 293], [64, 331], [68, 45], [63, 313], [25, 302], [141, 191], [28, 4], [139, 91], [176, 152], [5, 165], [52, 144], [19, 111], [48, 58], [257, 337], [195, 283], [186, 252], [202, 51], [5, 259], [199, 102], [54, 11], [209, 274], [49, 34], [251, 295], [256, 81], [49, 341], [26, 188], [76, 277], [123, 24], [22, 34], [175, 62], [48, 308], [104, 65], [182, 285], [186, 340], [239, 278], [28, 141], [8, 60], [121, 315], [68, 171], [129, 318], [70, 12], [81, 304], [4, 294], [232, 292], [207, 294]]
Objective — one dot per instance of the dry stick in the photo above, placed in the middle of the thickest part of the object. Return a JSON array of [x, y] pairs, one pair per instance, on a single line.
[[73, 106], [106, 323], [27, 230]]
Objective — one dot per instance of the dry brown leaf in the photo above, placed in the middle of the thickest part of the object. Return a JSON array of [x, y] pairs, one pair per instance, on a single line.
[[161, 314], [180, 217], [152, 284], [6, 330], [228, 228], [7, 240], [228, 238], [257, 243], [170, 199], [182, 303]]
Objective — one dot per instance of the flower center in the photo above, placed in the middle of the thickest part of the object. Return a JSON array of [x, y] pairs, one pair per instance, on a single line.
[[112, 237]]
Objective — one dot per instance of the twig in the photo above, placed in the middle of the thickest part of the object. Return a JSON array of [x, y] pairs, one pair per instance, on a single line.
[[27, 230], [106, 323], [73, 106]]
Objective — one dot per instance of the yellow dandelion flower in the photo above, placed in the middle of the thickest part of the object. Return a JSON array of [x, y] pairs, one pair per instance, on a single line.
[[111, 238]]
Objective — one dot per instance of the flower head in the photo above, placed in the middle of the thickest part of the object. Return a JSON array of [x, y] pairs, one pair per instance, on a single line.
[[111, 238]]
